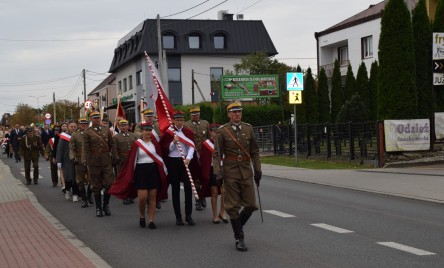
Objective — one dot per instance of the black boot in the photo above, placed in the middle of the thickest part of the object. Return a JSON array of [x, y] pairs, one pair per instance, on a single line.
[[244, 217], [238, 235], [106, 209], [98, 199], [89, 195]]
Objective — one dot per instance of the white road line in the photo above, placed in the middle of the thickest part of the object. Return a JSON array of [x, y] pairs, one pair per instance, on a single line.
[[23, 173], [280, 214], [332, 228], [405, 248]]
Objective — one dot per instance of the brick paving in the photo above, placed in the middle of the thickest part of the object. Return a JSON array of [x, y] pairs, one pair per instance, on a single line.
[[30, 236]]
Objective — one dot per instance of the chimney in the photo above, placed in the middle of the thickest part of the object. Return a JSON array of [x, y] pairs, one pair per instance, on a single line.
[[228, 17]]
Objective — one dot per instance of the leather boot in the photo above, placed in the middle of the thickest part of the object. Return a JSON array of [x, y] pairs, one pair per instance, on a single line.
[[244, 217], [106, 209], [98, 199], [238, 235], [89, 195]]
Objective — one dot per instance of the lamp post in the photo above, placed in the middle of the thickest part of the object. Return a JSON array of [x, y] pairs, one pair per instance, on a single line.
[[38, 107]]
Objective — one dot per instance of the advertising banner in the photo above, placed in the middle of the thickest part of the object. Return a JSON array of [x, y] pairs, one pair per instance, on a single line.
[[438, 59], [249, 86], [407, 135], [439, 126]]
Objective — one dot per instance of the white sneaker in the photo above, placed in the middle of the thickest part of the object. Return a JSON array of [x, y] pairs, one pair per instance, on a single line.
[[75, 198], [68, 195]]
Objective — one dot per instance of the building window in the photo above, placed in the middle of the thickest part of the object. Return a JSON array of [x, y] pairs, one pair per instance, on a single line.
[[367, 47], [174, 74], [343, 55], [130, 82], [194, 41], [120, 86], [138, 78], [168, 41], [125, 88], [219, 42]]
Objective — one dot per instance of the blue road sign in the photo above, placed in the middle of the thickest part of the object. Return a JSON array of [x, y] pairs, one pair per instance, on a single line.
[[295, 81]]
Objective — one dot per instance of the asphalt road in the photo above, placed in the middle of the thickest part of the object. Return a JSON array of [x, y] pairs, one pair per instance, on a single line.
[[305, 225]]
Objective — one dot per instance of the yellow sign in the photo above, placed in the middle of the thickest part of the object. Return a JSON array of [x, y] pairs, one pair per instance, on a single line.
[[295, 97]]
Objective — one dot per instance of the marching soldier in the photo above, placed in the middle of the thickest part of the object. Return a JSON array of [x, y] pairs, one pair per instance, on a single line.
[[98, 153], [75, 154], [123, 142], [29, 149], [236, 141], [148, 116], [200, 130], [49, 153]]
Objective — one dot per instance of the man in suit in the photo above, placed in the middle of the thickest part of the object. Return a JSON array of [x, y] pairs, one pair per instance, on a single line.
[[46, 135], [16, 135]]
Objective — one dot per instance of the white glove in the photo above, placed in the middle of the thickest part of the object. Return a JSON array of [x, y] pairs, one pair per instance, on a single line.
[[59, 165]]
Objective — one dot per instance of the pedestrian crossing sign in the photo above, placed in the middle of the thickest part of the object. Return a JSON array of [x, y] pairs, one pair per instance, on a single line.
[[295, 97], [295, 81]]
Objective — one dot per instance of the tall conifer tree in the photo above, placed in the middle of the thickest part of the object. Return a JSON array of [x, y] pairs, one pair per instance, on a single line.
[[362, 88], [373, 91], [310, 98], [337, 98], [397, 98], [350, 84], [323, 98]]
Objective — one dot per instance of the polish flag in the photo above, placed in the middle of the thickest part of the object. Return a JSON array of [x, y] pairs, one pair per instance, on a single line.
[[164, 109]]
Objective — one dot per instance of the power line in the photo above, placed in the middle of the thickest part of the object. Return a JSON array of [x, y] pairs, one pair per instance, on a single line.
[[184, 10], [31, 83], [207, 9], [249, 6]]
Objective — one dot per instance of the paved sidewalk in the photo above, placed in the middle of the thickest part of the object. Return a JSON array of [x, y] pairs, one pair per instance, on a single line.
[[30, 236], [422, 183]]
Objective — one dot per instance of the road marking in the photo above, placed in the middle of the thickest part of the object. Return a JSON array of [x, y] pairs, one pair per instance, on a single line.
[[332, 228], [280, 214], [405, 248], [23, 173]]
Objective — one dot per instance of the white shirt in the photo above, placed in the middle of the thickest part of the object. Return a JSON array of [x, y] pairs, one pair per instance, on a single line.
[[187, 150], [142, 156]]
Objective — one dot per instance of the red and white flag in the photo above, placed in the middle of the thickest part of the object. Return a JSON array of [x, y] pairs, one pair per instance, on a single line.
[[164, 109]]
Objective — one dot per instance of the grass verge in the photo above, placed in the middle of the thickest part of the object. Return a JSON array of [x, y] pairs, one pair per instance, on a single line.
[[310, 164]]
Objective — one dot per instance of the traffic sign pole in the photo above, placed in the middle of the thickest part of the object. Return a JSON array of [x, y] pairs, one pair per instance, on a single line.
[[295, 138]]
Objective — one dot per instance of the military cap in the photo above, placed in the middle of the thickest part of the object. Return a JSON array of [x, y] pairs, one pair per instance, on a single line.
[[94, 115], [123, 122], [178, 114], [146, 126], [148, 112], [195, 110], [83, 120], [29, 130], [235, 106]]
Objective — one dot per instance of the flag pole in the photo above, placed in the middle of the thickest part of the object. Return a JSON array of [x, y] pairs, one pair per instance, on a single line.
[[117, 111], [179, 147]]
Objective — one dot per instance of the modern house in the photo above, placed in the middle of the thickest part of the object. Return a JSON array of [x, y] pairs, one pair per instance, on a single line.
[[356, 39], [205, 49], [105, 95]]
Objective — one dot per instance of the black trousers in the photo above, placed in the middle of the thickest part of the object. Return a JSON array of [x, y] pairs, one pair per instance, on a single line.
[[178, 173]]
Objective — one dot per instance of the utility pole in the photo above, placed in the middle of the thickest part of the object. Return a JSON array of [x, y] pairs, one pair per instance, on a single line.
[[84, 85], [54, 106], [192, 86]]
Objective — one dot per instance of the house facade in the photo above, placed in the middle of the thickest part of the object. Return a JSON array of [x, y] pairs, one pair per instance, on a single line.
[[203, 49], [104, 96], [356, 39]]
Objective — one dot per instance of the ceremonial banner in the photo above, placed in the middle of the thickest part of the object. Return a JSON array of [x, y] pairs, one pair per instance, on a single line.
[[407, 135]]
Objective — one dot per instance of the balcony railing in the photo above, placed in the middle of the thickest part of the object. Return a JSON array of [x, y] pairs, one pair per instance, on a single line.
[[329, 68]]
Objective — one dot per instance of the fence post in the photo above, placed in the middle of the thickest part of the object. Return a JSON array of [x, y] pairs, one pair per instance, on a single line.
[[308, 140], [380, 143], [328, 135], [352, 140], [274, 130]]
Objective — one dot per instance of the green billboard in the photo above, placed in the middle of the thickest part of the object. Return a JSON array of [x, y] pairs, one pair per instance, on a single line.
[[249, 86]]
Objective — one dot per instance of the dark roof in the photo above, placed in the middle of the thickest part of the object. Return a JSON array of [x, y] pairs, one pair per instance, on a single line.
[[242, 38], [371, 13], [103, 84]]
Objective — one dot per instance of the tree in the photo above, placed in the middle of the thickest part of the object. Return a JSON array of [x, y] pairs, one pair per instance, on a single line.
[[65, 110], [397, 98], [362, 88], [438, 26], [323, 99], [352, 110], [24, 115], [337, 99], [373, 91], [350, 84], [310, 98], [423, 50]]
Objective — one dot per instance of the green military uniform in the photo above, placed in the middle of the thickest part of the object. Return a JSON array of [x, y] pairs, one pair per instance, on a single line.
[[237, 144], [123, 143], [30, 148], [200, 130], [75, 153], [97, 153]]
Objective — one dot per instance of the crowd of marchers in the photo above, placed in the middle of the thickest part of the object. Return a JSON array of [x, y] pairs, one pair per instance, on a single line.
[[92, 159]]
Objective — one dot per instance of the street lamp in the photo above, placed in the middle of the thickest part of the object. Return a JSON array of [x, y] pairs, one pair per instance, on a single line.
[[38, 107]]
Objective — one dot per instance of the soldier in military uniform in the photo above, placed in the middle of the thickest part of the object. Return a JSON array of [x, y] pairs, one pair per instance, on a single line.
[[98, 153], [148, 116], [236, 141], [29, 149], [123, 142], [75, 155], [200, 130]]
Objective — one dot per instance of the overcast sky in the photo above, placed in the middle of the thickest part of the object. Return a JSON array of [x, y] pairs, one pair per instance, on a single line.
[[45, 44]]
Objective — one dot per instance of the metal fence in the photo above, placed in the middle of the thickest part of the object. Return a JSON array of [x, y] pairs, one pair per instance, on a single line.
[[342, 142]]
